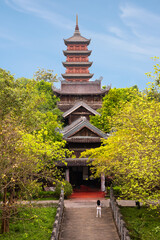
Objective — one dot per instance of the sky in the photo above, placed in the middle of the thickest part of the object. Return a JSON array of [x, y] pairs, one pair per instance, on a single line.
[[124, 35]]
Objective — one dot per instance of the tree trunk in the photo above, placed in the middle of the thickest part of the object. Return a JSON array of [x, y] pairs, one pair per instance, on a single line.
[[5, 213]]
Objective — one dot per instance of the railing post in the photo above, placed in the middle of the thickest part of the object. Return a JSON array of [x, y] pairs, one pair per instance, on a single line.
[[58, 217]]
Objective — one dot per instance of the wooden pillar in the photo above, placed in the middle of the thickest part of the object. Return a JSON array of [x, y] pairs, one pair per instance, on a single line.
[[67, 174], [103, 187]]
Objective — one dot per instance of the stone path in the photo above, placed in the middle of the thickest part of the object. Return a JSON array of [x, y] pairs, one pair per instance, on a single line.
[[80, 222]]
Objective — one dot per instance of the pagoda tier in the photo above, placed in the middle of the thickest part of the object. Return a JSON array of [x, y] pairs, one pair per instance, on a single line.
[[72, 92], [77, 62], [80, 77], [87, 52]]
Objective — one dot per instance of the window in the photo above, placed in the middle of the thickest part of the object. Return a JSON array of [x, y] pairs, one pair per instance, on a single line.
[[70, 70], [71, 59], [83, 70], [77, 70]]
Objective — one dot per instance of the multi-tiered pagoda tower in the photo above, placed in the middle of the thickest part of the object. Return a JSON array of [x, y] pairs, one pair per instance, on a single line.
[[79, 98]]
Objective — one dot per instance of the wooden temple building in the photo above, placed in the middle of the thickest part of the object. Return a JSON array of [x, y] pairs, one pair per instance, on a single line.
[[79, 99]]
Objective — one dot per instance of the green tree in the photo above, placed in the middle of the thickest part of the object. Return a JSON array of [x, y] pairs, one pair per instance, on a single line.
[[131, 153], [30, 145], [46, 75], [112, 104], [153, 90]]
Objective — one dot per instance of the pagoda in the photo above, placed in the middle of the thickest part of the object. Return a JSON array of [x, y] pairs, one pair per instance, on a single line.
[[79, 99]]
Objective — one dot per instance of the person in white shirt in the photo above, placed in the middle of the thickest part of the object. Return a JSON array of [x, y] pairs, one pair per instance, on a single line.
[[98, 209]]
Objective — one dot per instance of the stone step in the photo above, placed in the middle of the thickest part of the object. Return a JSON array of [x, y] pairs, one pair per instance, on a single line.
[[82, 224]]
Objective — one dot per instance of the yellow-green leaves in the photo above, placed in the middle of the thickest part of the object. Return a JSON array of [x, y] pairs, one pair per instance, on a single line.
[[132, 152]]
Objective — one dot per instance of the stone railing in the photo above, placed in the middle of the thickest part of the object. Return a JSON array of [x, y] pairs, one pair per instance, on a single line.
[[58, 218], [118, 218]]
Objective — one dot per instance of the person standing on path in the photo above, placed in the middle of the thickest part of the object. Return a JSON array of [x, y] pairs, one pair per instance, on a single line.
[[98, 209]]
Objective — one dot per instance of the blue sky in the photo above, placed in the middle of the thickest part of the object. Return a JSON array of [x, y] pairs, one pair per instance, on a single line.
[[124, 36]]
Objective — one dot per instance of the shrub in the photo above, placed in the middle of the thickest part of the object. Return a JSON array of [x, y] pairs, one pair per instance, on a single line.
[[45, 194], [116, 190], [67, 189]]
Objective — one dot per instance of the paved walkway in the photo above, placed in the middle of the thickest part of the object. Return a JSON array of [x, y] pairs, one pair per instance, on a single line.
[[80, 222], [74, 203]]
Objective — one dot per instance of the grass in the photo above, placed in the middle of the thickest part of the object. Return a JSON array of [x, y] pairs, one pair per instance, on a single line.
[[143, 224], [31, 224]]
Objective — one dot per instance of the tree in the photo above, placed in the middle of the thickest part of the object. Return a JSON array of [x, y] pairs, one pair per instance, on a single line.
[[153, 90], [131, 154], [45, 75], [30, 145], [112, 104]]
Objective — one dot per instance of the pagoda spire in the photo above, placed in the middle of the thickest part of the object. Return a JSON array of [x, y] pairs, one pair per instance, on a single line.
[[77, 32], [76, 28]]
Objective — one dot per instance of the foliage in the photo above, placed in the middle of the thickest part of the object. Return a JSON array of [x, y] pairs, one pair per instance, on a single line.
[[155, 76], [31, 223], [113, 102], [131, 153], [50, 195], [38, 108], [153, 90], [116, 190], [143, 224], [29, 142], [45, 75], [67, 189]]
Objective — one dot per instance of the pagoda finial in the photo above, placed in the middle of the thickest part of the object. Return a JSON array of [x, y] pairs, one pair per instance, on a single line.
[[77, 28]]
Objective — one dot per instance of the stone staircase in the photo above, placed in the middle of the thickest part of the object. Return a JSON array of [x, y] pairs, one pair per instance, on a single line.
[[80, 222]]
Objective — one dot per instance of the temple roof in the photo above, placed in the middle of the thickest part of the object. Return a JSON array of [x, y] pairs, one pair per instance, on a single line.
[[70, 64], [75, 52], [83, 139], [77, 38], [78, 105], [77, 75], [76, 126], [81, 88], [74, 162]]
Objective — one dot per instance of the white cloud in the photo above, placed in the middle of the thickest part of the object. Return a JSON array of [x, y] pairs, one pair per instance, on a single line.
[[142, 16], [137, 31], [136, 34], [117, 32], [39, 9], [141, 22]]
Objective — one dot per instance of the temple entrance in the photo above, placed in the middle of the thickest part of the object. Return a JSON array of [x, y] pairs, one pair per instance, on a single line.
[[76, 176], [80, 177]]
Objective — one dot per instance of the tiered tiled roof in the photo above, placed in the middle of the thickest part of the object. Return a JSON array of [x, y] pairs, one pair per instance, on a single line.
[[81, 88], [66, 64], [74, 162], [78, 105], [77, 38], [87, 52], [76, 126]]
